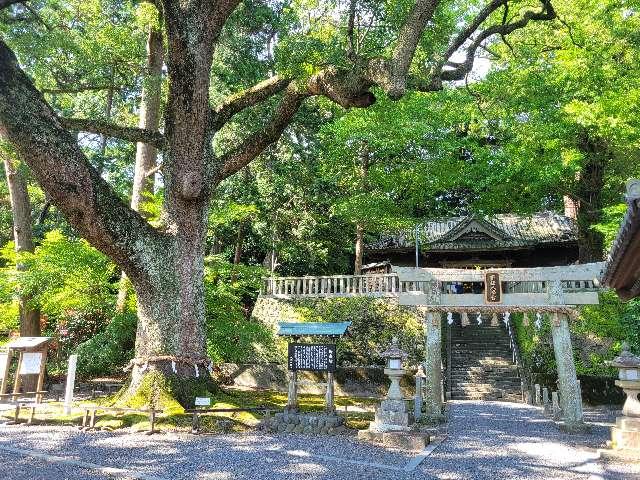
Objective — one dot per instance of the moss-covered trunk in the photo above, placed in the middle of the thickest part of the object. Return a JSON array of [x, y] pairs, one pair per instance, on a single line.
[[170, 337]]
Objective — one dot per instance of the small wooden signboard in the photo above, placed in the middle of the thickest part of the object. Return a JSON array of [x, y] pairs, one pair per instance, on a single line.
[[32, 355], [492, 288]]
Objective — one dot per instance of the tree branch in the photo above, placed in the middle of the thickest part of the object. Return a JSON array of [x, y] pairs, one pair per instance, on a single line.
[[406, 45], [351, 46], [246, 98], [255, 143], [75, 89], [461, 69], [64, 172], [131, 134]]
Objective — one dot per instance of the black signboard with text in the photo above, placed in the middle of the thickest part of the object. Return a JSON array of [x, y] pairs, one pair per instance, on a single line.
[[492, 288], [315, 357]]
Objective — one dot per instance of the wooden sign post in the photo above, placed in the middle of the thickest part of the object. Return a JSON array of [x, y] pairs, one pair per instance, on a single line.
[[5, 359], [315, 357]]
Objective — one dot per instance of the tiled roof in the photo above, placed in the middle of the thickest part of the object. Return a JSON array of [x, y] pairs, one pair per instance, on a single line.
[[483, 233]]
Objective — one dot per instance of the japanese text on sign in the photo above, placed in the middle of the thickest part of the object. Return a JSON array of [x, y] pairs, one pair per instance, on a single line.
[[492, 288], [314, 357]]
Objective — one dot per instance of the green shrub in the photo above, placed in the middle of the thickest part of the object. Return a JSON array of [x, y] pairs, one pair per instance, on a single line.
[[232, 336], [597, 335], [110, 350]]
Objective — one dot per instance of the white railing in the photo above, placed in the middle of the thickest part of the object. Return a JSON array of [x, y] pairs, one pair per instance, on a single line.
[[391, 284], [335, 285]]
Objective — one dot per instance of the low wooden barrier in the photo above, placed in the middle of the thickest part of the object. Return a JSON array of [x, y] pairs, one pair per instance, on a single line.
[[90, 415]]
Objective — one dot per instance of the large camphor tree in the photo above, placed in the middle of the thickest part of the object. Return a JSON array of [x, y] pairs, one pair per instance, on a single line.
[[382, 48]]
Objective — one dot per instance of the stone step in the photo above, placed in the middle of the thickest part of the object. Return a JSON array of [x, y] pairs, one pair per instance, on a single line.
[[480, 379], [484, 386]]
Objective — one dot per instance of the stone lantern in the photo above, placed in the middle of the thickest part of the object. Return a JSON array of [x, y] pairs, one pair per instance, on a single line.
[[394, 370], [625, 436], [391, 426], [392, 415]]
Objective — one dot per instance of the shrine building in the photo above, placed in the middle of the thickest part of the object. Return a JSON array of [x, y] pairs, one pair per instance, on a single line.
[[496, 241]]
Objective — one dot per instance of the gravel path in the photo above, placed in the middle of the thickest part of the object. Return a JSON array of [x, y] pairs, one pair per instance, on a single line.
[[485, 440]]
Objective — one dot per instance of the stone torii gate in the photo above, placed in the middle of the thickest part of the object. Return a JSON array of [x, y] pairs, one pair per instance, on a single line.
[[434, 291]]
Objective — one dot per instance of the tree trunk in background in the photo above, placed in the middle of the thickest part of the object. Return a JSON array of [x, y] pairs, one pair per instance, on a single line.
[[363, 157], [357, 268], [239, 241], [589, 193], [146, 155], [23, 238]]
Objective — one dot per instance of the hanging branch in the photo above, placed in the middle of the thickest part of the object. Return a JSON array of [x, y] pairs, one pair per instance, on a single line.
[[131, 134]]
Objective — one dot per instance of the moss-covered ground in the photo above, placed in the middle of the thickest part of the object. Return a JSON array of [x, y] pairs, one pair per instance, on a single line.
[[359, 412]]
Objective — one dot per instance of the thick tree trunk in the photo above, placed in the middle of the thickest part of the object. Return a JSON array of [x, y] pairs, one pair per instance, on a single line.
[[171, 314], [23, 239], [589, 193], [146, 155]]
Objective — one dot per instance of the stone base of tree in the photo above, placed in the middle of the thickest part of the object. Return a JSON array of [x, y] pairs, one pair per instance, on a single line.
[[309, 423], [162, 390], [404, 440], [432, 419], [573, 427]]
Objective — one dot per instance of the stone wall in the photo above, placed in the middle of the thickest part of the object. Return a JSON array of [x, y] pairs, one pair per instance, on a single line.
[[374, 321], [270, 311], [349, 381]]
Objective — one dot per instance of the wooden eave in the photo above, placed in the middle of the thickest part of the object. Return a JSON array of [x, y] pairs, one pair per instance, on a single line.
[[435, 247], [622, 271]]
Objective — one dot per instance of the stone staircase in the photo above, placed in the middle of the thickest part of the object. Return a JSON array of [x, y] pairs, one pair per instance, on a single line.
[[481, 364]]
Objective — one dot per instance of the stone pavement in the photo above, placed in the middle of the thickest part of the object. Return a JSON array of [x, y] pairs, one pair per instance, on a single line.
[[485, 440]]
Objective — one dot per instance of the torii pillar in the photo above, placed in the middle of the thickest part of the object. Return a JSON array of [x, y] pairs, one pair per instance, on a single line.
[[432, 365], [570, 395]]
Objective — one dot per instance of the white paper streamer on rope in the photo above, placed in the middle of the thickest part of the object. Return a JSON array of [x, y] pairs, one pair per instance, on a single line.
[[479, 318], [197, 371], [538, 321], [145, 366], [210, 368], [449, 318], [173, 366], [505, 319]]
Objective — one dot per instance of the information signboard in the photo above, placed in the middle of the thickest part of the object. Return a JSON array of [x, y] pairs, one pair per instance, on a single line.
[[312, 356]]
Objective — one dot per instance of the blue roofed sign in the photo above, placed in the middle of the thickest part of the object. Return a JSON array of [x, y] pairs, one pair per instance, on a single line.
[[336, 329]]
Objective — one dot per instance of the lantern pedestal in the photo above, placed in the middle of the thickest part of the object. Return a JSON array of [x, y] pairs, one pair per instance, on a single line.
[[625, 436]]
